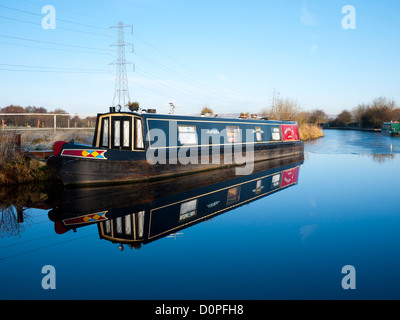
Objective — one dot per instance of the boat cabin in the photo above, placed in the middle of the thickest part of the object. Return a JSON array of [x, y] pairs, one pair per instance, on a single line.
[[391, 128], [123, 131], [129, 131]]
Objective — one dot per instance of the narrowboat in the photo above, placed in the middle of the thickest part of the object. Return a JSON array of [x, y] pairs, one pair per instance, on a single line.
[[137, 214], [391, 128], [135, 147]]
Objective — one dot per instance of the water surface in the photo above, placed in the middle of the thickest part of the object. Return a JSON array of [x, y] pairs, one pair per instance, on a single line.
[[290, 243]]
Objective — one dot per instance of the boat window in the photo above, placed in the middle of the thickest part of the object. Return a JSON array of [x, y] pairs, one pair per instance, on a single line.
[[140, 224], [187, 135], [128, 224], [259, 133], [276, 135], [121, 132], [259, 187], [233, 134], [233, 195], [117, 133], [276, 180], [104, 141], [139, 144], [188, 210], [126, 133], [108, 227], [118, 222]]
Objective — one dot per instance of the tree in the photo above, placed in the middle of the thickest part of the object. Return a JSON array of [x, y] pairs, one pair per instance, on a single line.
[[34, 109], [374, 114], [317, 117], [358, 113], [284, 110], [59, 111], [13, 109], [344, 118], [14, 120], [62, 121], [75, 121]]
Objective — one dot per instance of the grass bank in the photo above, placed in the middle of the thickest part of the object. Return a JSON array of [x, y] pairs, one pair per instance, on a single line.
[[308, 122], [16, 168], [309, 131]]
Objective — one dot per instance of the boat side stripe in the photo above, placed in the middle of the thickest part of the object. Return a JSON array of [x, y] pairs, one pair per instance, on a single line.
[[84, 153]]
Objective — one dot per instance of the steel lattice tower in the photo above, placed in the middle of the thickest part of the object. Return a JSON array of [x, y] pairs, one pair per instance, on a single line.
[[121, 93]]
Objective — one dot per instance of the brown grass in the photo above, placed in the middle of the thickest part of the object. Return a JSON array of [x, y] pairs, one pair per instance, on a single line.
[[309, 131], [290, 110], [15, 167], [43, 140]]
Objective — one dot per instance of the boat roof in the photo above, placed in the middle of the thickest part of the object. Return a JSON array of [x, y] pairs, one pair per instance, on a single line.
[[194, 117], [392, 122]]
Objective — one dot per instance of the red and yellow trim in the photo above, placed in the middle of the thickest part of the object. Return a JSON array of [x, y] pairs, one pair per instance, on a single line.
[[89, 218], [85, 153]]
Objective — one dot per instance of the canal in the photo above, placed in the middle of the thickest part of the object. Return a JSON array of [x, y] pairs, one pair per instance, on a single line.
[[289, 232]]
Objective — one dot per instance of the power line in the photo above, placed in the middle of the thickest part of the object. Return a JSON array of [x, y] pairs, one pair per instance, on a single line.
[[196, 95], [137, 36], [176, 88], [52, 43], [177, 74], [54, 49], [188, 68], [171, 58], [59, 28], [58, 19], [52, 71], [69, 11], [48, 67], [185, 78], [41, 248], [159, 93]]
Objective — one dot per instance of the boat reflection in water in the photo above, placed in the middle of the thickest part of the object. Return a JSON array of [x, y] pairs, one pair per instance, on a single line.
[[141, 213]]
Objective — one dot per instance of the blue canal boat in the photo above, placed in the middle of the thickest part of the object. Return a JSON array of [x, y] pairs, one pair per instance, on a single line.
[[132, 147]]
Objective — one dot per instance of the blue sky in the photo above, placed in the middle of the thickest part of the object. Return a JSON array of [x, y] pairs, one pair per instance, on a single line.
[[229, 55]]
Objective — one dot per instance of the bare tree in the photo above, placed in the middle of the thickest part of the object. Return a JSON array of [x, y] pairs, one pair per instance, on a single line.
[[285, 109]]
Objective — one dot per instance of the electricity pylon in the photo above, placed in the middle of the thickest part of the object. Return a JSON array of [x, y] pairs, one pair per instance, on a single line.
[[121, 93]]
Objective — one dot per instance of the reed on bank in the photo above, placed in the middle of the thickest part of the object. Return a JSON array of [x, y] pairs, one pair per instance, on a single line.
[[309, 122], [309, 131], [17, 168]]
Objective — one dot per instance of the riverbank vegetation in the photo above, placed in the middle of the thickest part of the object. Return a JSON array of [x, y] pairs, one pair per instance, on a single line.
[[310, 123], [368, 116], [16, 167]]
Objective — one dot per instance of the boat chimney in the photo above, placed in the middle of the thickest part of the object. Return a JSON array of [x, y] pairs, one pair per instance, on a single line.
[[112, 109]]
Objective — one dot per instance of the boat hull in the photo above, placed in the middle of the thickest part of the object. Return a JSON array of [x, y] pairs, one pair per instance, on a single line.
[[94, 171], [391, 134]]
